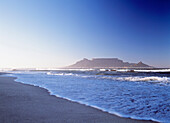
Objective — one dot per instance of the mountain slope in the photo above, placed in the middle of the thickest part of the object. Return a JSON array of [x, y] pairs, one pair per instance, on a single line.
[[105, 63]]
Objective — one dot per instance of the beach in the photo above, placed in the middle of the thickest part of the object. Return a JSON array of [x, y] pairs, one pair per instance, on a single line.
[[22, 103]]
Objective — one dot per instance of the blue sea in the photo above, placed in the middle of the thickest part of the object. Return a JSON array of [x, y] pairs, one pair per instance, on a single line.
[[137, 94]]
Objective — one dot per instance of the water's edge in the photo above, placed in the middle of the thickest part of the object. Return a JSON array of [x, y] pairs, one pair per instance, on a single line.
[[86, 104]]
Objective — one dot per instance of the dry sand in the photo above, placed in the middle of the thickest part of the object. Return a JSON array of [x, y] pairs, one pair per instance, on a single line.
[[22, 103]]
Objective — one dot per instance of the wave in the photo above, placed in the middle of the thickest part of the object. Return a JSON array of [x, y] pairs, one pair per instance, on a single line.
[[160, 70], [60, 74], [113, 72], [115, 78], [141, 79], [143, 71], [90, 69]]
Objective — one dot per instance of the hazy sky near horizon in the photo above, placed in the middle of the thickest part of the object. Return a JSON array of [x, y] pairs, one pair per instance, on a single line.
[[55, 33]]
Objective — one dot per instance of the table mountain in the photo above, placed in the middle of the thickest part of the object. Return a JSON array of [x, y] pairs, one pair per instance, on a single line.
[[105, 63]]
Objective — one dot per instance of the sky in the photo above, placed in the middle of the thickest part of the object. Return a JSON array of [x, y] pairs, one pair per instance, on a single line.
[[57, 33]]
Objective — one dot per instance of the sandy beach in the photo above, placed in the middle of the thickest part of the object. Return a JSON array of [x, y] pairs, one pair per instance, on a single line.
[[21, 103]]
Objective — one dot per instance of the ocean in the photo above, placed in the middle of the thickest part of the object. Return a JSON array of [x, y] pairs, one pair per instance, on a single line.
[[137, 94]]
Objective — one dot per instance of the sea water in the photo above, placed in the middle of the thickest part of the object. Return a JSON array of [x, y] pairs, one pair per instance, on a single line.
[[126, 94]]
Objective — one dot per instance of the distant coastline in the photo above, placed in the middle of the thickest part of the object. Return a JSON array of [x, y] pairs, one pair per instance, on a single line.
[[107, 63]]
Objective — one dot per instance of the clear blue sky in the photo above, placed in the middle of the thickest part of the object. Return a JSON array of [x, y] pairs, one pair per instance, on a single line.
[[54, 33]]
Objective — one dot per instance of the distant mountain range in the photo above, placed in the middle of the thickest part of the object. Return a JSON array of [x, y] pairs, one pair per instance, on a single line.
[[106, 63]]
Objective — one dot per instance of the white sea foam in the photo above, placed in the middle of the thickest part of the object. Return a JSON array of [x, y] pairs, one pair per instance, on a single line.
[[60, 74], [140, 79], [160, 70], [69, 74], [122, 70], [102, 69], [90, 69], [136, 70], [160, 79]]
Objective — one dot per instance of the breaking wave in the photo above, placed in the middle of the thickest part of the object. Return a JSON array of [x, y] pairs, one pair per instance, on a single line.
[[60, 74], [155, 79], [141, 79]]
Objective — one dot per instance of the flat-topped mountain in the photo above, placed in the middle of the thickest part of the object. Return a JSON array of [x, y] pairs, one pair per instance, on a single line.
[[105, 63]]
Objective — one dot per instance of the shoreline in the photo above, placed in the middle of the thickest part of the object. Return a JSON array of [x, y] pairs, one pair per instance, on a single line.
[[76, 112]]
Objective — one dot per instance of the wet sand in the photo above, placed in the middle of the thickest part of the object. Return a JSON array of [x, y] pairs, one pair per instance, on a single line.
[[22, 103]]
